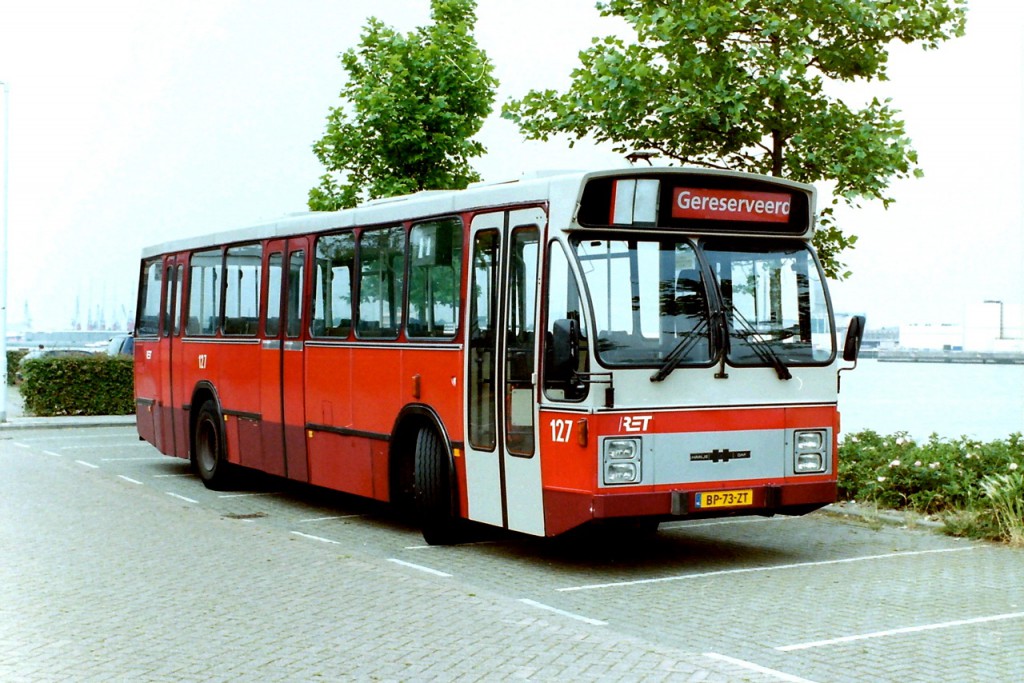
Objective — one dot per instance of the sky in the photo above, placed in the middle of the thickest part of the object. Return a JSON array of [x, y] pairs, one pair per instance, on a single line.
[[135, 122]]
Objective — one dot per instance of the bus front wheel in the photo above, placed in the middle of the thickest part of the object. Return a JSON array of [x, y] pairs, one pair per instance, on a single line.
[[210, 458], [433, 494]]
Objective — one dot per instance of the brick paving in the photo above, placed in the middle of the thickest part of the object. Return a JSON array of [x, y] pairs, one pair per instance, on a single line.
[[103, 576], [103, 580]]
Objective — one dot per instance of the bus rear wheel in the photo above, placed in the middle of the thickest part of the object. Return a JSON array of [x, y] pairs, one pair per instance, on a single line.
[[433, 491], [209, 454]]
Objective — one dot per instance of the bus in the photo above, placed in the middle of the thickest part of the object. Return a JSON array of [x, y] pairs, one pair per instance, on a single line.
[[630, 345]]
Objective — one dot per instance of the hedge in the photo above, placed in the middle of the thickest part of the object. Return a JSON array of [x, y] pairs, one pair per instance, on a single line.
[[14, 357], [86, 385]]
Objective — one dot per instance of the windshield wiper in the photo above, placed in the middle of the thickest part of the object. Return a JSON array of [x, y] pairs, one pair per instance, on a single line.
[[681, 349], [761, 348]]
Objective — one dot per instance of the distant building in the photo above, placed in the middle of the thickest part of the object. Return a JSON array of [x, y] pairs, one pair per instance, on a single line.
[[988, 327]]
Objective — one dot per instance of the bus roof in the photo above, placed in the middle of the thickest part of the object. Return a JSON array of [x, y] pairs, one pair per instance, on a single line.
[[562, 190]]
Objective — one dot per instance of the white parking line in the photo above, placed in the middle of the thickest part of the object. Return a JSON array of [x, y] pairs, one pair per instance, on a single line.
[[87, 464], [549, 608], [316, 538], [179, 497], [419, 567], [148, 457], [750, 666], [77, 436], [681, 526], [129, 479], [327, 519], [901, 631], [750, 570], [54, 453], [249, 495]]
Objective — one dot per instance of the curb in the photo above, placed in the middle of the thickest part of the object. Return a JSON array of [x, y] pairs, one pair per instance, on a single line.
[[67, 422], [888, 517]]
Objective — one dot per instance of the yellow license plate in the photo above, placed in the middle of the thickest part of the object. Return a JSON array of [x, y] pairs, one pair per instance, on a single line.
[[724, 499]]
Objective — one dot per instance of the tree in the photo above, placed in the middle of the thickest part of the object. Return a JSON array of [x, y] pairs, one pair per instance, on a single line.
[[410, 108], [741, 84]]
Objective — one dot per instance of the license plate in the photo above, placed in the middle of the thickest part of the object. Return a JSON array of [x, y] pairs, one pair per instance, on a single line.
[[724, 499]]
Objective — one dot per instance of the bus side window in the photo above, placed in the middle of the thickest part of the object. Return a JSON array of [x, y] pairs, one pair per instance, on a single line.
[[381, 275], [563, 306], [149, 299], [205, 276], [435, 258], [332, 302], [179, 274], [296, 267], [519, 339], [272, 327], [242, 289]]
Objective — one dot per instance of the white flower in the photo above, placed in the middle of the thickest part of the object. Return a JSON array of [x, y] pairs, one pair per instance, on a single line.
[[894, 463], [854, 439], [900, 441], [1013, 466], [917, 463], [933, 466], [881, 479]]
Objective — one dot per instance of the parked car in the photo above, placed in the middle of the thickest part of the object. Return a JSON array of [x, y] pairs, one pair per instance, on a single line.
[[121, 345]]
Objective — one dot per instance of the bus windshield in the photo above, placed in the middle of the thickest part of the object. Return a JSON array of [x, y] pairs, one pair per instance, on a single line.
[[654, 303], [773, 300]]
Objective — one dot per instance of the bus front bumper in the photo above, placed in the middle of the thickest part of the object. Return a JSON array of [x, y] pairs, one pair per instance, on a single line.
[[569, 509]]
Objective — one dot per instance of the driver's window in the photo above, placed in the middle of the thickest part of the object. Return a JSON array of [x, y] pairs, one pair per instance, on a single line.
[[564, 312]]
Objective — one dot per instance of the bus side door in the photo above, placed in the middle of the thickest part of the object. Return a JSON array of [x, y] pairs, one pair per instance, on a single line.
[[503, 474], [168, 406], [175, 425], [282, 402]]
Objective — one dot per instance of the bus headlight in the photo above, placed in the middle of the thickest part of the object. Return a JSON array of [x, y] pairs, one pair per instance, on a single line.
[[622, 459], [809, 450]]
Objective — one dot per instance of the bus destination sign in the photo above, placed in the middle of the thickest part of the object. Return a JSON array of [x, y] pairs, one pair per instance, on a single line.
[[730, 205]]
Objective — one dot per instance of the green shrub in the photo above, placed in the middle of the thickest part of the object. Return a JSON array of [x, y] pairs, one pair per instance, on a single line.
[[14, 357], [1004, 496], [86, 385], [974, 484]]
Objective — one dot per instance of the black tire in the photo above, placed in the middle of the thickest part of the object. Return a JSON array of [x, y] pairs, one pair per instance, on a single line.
[[208, 448], [433, 496]]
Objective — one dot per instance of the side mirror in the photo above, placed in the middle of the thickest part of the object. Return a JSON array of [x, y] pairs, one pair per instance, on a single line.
[[565, 349], [854, 336]]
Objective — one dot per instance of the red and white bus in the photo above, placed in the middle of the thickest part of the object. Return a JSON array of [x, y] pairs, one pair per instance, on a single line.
[[632, 344]]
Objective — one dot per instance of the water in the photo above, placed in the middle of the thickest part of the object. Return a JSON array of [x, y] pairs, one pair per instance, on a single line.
[[981, 401]]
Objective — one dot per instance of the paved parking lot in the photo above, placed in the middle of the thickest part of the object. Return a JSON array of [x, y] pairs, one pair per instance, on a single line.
[[118, 564]]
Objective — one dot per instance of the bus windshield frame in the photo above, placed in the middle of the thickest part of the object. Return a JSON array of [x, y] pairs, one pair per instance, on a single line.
[[657, 298]]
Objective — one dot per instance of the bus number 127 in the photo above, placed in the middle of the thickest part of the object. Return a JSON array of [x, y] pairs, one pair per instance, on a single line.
[[561, 430]]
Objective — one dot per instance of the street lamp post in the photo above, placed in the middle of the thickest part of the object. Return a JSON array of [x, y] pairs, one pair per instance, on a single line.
[[3, 260]]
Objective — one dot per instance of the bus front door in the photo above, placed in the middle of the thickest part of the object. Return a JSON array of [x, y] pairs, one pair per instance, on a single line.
[[503, 474], [282, 399]]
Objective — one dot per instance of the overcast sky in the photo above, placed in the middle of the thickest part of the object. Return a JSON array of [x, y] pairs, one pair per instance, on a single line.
[[133, 122]]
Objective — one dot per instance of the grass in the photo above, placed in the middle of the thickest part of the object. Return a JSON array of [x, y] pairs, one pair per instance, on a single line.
[[976, 488]]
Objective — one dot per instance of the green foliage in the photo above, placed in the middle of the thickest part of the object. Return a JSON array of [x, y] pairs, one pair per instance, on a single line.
[[978, 486], [1004, 494], [741, 84], [14, 357], [79, 385], [410, 107]]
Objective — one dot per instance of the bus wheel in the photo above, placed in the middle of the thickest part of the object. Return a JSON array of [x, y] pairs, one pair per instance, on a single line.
[[433, 490], [210, 459]]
